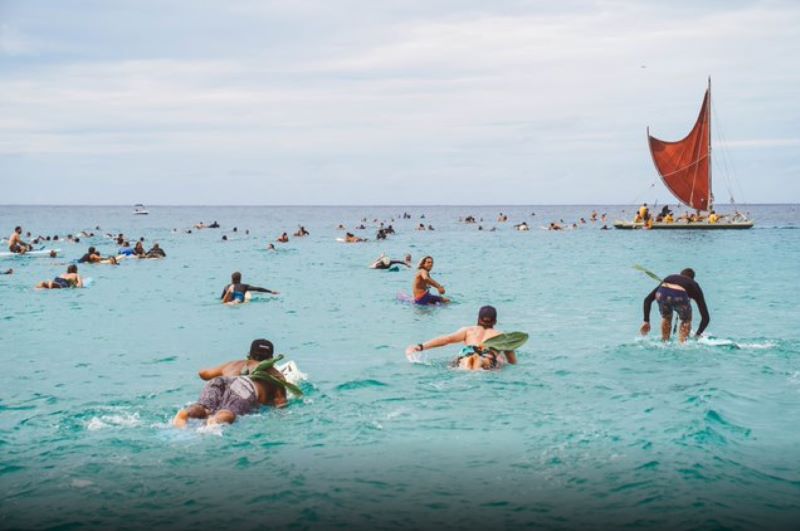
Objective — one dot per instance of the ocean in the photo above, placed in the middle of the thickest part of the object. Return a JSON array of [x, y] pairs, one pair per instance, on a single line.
[[595, 425]]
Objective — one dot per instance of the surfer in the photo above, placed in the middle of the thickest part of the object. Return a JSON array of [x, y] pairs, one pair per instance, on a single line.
[[673, 294], [472, 357], [15, 243], [260, 350], [352, 238], [384, 262], [93, 257], [284, 238], [423, 281], [156, 252], [226, 397], [70, 279], [235, 291]]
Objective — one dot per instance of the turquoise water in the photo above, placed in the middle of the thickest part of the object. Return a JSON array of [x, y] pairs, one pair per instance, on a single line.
[[594, 426]]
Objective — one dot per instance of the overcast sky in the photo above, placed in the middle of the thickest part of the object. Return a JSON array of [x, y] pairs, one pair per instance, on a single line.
[[390, 102]]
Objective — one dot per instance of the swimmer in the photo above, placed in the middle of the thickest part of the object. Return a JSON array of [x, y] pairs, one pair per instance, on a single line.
[[235, 291], [200, 226], [70, 279], [284, 238], [423, 281], [214, 225], [226, 397], [15, 243], [473, 357], [156, 252], [138, 250], [384, 262], [673, 295], [352, 238], [301, 232], [522, 227], [8, 271], [93, 257], [271, 247]]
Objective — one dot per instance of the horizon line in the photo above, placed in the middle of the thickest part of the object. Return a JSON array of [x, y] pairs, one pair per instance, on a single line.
[[376, 205]]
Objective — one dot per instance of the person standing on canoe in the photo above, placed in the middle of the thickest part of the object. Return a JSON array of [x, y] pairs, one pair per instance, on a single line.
[[673, 294], [423, 281], [472, 357]]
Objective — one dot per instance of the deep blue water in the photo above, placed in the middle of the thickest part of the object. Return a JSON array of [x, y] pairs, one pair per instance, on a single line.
[[595, 425]]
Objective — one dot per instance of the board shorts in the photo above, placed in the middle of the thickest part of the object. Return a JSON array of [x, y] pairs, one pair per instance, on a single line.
[[674, 300], [235, 393], [427, 298], [62, 283]]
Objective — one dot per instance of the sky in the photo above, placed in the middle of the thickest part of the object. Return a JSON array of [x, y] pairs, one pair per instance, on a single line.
[[392, 102]]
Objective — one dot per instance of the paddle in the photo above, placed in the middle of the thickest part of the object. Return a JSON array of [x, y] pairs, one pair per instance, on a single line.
[[647, 272], [506, 342], [261, 373]]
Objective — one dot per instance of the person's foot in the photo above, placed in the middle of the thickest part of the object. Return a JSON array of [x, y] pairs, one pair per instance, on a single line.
[[180, 419]]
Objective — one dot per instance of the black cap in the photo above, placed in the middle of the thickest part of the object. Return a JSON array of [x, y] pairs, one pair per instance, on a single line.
[[261, 349], [487, 314]]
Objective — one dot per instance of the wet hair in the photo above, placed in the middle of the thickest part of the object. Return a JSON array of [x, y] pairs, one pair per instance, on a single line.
[[72, 268], [487, 316], [688, 272], [17, 229], [236, 278], [419, 265]]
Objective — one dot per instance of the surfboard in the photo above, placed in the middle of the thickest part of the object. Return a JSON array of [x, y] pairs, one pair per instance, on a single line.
[[33, 254]]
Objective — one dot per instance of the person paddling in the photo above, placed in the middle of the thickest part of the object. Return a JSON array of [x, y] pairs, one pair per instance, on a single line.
[[473, 356]]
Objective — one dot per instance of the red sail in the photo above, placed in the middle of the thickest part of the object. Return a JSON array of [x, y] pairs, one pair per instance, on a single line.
[[684, 165]]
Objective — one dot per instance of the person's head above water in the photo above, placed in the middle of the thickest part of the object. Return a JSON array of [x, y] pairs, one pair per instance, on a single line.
[[72, 268], [92, 250], [426, 263], [18, 229], [487, 316], [688, 272], [236, 278], [261, 349]]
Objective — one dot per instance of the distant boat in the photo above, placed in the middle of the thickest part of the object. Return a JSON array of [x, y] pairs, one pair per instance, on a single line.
[[140, 210], [685, 169]]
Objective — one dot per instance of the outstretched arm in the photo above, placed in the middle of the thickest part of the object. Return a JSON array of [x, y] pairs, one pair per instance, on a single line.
[[207, 374], [456, 337], [261, 290]]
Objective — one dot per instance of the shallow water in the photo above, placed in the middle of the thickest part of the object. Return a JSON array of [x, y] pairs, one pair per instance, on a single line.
[[595, 425]]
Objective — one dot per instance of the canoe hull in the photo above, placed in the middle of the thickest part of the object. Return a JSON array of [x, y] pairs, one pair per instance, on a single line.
[[686, 226]]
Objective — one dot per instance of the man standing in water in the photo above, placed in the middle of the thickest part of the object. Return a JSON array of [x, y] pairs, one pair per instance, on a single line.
[[673, 295], [423, 281], [472, 357]]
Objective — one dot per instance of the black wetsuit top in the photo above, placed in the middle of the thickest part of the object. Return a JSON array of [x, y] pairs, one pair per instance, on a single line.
[[157, 252], [244, 288], [84, 258], [692, 290]]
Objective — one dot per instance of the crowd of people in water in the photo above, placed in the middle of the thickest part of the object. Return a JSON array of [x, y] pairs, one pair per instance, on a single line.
[[241, 386]]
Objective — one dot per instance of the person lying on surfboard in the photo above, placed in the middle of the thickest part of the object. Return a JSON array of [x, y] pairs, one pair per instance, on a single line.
[[423, 281], [478, 352], [673, 295], [70, 279], [224, 398]]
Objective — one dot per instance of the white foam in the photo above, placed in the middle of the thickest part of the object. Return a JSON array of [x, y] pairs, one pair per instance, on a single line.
[[127, 420], [81, 483]]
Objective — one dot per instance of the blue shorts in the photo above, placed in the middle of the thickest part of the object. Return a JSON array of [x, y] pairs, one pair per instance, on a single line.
[[428, 299], [674, 300]]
